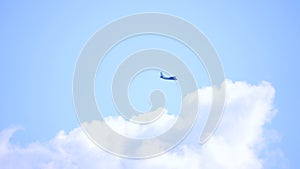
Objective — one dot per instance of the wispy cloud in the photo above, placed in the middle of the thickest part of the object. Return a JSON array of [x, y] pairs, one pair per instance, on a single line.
[[239, 142]]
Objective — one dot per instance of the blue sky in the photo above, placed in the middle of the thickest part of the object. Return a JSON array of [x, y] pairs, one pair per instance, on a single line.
[[40, 43]]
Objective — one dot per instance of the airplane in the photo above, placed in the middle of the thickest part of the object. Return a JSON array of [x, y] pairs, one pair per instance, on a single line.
[[167, 78]]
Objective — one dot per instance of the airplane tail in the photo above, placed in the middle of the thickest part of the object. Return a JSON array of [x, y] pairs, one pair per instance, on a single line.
[[161, 75]]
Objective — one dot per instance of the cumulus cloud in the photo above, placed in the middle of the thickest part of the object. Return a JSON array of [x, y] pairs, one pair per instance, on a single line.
[[238, 143], [134, 130]]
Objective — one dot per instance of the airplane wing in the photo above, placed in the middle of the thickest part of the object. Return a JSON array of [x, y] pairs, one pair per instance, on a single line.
[[167, 78]]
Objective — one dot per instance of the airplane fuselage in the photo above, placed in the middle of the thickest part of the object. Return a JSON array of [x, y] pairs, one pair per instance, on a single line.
[[169, 78]]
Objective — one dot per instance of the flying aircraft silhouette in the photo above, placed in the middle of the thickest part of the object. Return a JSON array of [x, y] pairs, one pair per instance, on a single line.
[[167, 78]]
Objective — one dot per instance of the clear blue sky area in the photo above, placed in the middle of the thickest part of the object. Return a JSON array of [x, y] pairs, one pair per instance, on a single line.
[[40, 43]]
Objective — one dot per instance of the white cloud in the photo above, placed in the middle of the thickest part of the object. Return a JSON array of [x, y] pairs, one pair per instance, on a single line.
[[134, 130], [238, 143]]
